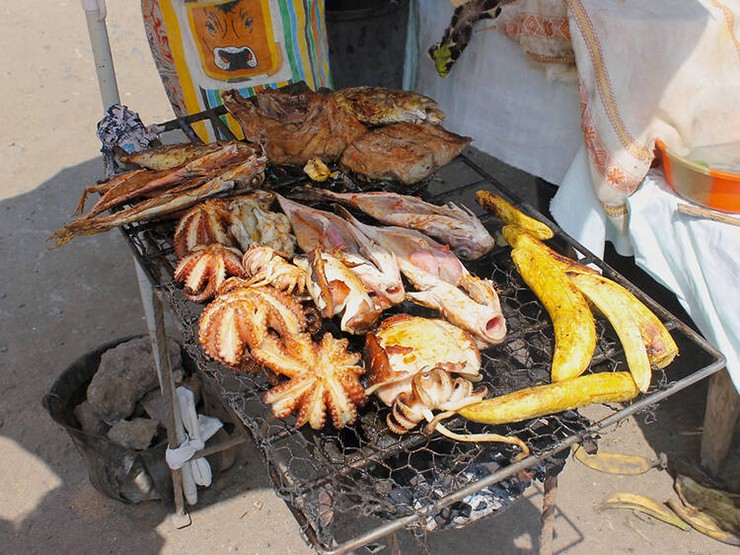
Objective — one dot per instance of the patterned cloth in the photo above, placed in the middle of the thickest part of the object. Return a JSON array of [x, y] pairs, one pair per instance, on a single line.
[[666, 69], [120, 128], [204, 47]]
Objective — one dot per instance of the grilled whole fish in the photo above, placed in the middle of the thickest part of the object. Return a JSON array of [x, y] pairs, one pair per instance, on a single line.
[[405, 152], [244, 174], [452, 224], [381, 106], [294, 128], [144, 182], [373, 264], [413, 250], [166, 157]]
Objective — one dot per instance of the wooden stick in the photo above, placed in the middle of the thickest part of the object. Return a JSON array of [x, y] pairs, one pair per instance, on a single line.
[[699, 212], [548, 514]]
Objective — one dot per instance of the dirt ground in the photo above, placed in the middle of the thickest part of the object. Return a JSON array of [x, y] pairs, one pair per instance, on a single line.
[[57, 305]]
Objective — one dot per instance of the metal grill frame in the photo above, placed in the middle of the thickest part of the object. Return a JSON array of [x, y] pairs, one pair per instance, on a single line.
[[151, 245]]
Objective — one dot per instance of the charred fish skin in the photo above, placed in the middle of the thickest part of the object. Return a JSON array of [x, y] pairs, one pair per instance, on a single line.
[[294, 128], [404, 152]]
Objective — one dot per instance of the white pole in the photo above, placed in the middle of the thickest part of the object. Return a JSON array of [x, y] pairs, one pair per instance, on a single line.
[[95, 12]]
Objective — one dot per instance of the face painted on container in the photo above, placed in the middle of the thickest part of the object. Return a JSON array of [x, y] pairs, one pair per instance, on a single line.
[[234, 38]]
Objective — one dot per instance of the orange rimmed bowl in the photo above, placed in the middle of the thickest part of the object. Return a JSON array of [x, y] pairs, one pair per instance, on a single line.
[[696, 182]]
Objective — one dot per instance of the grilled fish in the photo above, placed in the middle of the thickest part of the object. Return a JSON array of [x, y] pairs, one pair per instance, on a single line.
[[452, 224], [381, 106], [144, 182], [294, 128], [373, 264], [166, 157], [413, 250], [483, 319], [405, 152], [244, 174]]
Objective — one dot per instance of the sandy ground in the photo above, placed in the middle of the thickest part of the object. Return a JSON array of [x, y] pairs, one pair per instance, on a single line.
[[58, 305]]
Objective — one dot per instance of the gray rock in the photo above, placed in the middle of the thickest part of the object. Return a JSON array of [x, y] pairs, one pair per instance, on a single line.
[[125, 374], [134, 434], [89, 419], [154, 406]]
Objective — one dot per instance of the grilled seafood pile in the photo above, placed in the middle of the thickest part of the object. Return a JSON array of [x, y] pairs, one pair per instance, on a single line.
[[171, 179], [376, 133], [266, 302], [273, 271], [411, 361]]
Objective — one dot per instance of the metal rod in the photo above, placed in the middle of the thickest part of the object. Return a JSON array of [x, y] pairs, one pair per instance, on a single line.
[[95, 13], [154, 314]]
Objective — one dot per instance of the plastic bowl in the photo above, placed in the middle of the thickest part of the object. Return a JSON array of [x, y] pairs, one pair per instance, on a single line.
[[709, 187]]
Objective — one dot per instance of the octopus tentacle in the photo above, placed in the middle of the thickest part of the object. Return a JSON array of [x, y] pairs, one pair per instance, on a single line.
[[205, 223], [204, 269]]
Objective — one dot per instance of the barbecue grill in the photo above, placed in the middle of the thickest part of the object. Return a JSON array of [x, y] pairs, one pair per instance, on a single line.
[[348, 488]]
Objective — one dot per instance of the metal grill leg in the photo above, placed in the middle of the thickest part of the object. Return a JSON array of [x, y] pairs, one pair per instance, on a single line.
[[548, 514], [154, 313]]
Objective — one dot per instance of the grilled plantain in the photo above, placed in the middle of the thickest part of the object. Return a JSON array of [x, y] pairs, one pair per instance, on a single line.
[[509, 214], [619, 312], [604, 387], [573, 322], [661, 348]]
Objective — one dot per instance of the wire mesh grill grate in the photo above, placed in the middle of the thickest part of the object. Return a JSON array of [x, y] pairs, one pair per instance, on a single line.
[[348, 487]]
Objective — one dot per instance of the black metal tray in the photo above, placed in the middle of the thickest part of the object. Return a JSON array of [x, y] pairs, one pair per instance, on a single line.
[[351, 487]]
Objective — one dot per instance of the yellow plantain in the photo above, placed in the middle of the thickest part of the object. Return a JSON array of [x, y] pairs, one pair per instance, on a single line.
[[616, 463], [604, 387], [645, 505], [512, 215], [572, 320], [703, 523], [618, 311], [720, 505], [661, 347], [517, 235]]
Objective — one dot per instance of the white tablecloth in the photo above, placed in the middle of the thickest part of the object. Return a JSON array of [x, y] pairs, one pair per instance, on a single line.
[[697, 259], [497, 95]]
